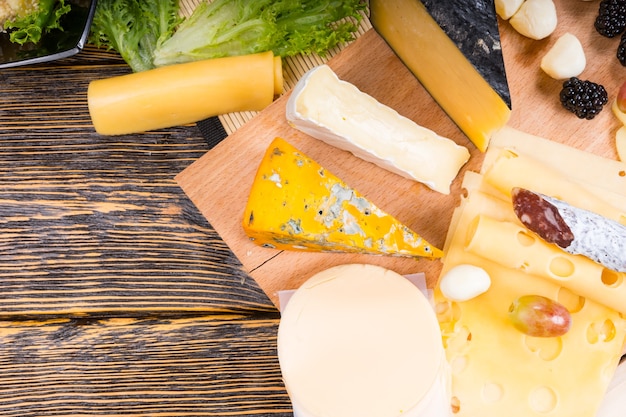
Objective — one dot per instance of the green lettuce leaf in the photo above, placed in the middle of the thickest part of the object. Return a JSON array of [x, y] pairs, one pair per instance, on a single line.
[[30, 27], [134, 28], [238, 27]]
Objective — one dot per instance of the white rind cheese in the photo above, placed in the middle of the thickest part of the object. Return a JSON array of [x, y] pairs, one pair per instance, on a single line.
[[338, 113], [360, 340]]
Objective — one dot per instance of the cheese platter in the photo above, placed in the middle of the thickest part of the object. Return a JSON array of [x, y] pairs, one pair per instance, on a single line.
[[219, 182], [542, 145]]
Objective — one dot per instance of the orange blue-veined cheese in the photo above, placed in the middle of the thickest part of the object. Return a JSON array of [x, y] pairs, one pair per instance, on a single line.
[[296, 204]]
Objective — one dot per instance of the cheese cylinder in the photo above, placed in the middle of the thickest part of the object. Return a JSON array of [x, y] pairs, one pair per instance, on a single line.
[[361, 340], [184, 93], [513, 246]]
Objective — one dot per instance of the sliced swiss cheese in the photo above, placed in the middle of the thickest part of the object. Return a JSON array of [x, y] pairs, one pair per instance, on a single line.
[[510, 244], [496, 369], [338, 113], [361, 340], [441, 67], [509, 169], [296, 204]]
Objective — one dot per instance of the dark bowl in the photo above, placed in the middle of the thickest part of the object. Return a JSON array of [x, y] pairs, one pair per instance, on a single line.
[[55, 44]]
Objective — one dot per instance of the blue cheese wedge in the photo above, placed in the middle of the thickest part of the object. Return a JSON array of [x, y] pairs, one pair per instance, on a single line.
[[296, 204], [338, 113]]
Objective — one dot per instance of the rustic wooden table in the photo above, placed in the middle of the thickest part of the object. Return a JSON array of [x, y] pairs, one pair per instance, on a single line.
[[117, 297]]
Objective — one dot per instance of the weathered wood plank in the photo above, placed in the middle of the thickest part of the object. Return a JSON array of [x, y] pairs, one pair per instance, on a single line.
[[204, 366], [97, 225]]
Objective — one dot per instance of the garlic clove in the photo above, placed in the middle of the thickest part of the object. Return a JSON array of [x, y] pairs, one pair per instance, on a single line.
[[507, 8], [464, 282], [565, 59], [535, 19]]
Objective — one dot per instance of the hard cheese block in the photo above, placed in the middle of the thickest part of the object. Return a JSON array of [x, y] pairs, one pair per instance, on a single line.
[[496, 369], [452, 80], [338, 113], [296, 204]]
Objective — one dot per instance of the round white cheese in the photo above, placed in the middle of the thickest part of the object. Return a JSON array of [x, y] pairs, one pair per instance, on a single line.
[[361, 340]]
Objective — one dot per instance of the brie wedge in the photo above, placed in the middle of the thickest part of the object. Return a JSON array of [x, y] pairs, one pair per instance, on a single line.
[[338, 113]]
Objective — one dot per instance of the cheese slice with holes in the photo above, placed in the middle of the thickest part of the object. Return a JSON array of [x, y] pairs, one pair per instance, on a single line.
[[296, 204], [510, 244], [338, 113], [361, 340], [496, 369]]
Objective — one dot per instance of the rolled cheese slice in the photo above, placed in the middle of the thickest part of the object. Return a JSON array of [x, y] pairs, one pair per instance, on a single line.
[[510, 169], [513, 246], [338, 113], [184, 93], [360, 340]]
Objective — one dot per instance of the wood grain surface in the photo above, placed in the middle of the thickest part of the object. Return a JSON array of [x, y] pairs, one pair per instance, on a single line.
[[96, 224], [117, 297], [117, 294], [230, 168], [370, 64], [203, 366]]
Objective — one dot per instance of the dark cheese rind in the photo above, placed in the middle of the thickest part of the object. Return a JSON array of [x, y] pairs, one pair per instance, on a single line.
[[473, 26]]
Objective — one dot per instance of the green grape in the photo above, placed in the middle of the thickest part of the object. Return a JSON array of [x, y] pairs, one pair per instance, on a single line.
[[539, 316]]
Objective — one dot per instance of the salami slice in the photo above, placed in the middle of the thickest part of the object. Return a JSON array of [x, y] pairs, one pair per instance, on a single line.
[[576, 231], [542, 217]]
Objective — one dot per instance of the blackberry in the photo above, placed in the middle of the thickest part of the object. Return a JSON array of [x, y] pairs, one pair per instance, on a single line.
[[611, 19], [621, 50], [583, 98]]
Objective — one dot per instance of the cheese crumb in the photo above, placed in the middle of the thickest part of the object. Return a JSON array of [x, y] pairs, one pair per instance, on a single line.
[[10, 9]]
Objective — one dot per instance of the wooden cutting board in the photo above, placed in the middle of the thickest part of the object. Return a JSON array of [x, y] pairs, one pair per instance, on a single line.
[[219, 182]]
